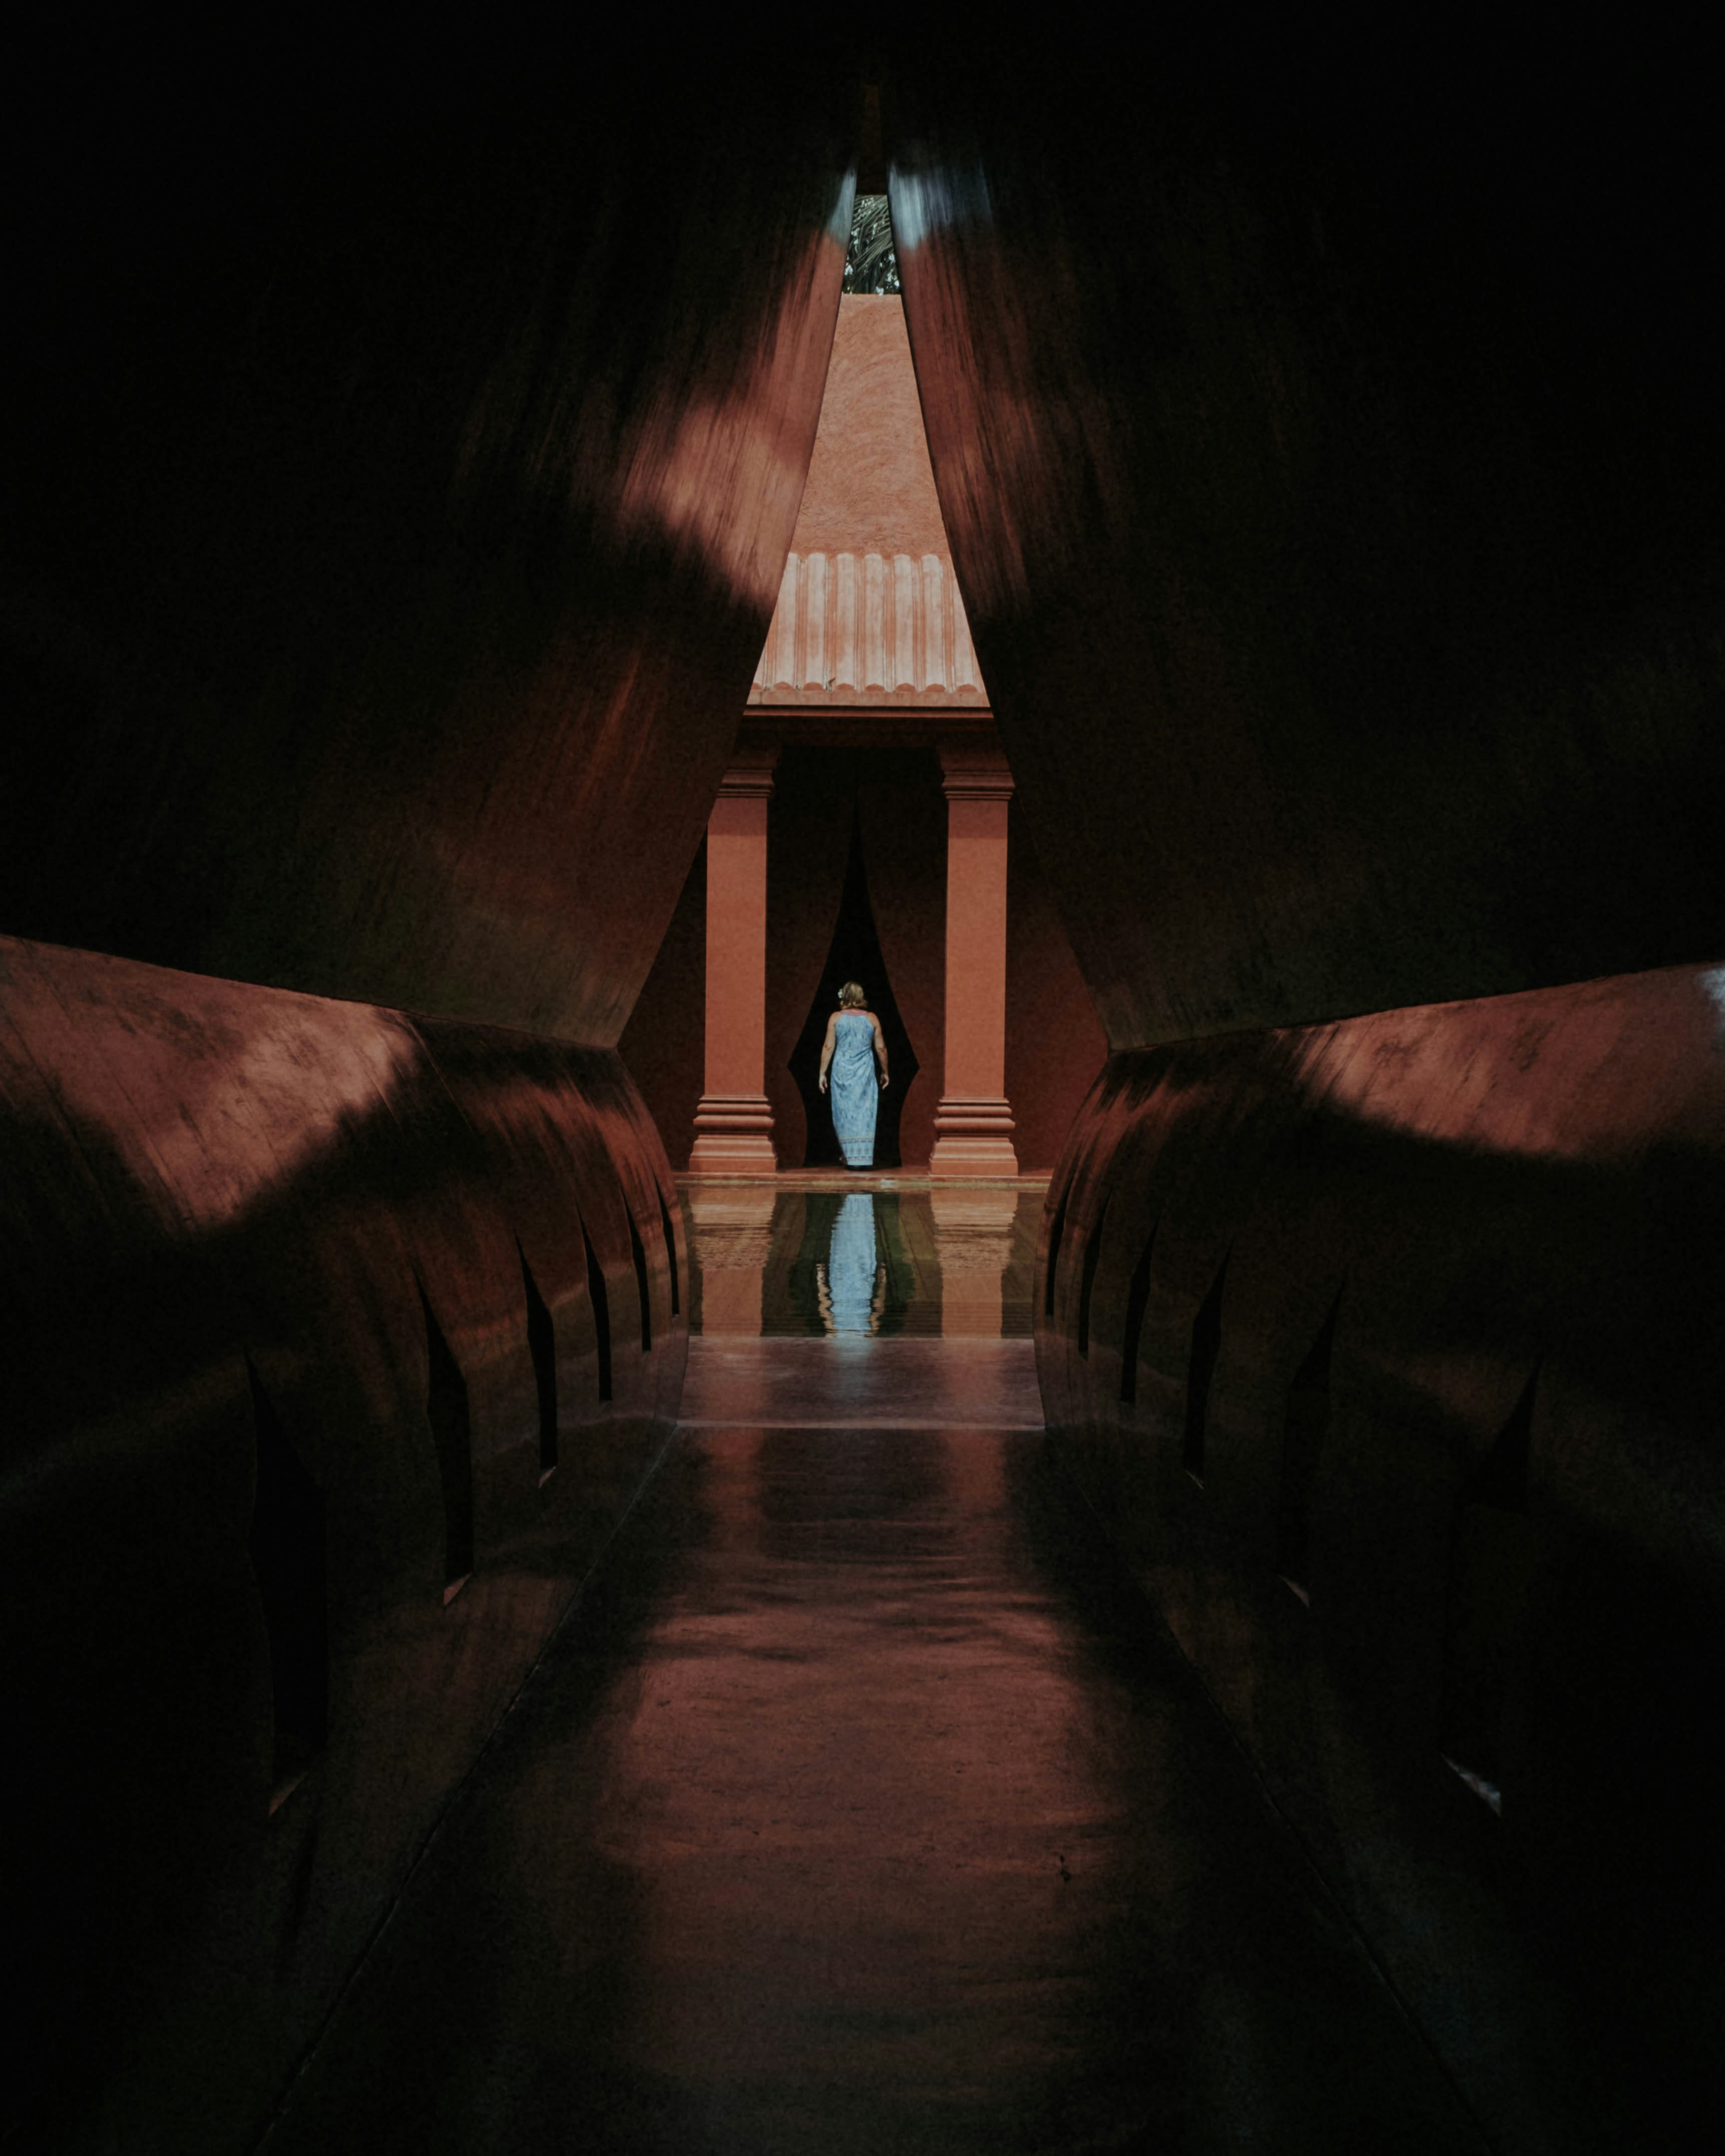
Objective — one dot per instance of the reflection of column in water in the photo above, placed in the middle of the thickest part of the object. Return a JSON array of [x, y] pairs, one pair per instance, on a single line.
[[730, 1241], [849, 1300], [973, 1240]]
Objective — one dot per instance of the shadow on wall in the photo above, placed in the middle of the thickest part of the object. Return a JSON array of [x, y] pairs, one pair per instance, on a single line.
[[393, 533], [1390, 1351], [340, 1343], [1335, 497]]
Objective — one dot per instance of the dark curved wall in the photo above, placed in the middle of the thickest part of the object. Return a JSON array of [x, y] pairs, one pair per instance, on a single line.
[[1417, 1311], [1328, 439], [212, 1189], [1329, 444], [399, 456], [400, 453], [398, 479]]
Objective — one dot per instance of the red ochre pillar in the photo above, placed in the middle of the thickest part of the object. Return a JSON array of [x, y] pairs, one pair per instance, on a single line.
[[972, 1123], [733, 1124]]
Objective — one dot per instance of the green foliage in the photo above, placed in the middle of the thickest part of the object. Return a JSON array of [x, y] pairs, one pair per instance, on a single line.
[[871, 264]]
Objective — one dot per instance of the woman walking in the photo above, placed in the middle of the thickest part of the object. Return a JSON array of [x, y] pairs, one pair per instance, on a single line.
[[849, 1052]]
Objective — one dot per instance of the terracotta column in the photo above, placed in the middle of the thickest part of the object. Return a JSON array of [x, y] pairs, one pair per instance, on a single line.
[[733, 1124], [972, 1123]]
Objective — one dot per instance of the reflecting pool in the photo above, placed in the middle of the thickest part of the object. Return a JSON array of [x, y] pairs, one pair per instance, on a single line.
[[850, 1263], [850, 1288]]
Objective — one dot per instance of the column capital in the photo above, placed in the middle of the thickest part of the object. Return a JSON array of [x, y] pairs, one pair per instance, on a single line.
[[748, 776], [973, 772]]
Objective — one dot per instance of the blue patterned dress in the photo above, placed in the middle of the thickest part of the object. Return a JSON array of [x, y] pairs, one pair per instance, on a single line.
[[854, 1092], [851, 1263]]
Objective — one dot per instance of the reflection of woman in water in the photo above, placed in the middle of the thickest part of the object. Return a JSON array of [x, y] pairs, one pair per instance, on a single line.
[[853, 1268], [849, 1051]]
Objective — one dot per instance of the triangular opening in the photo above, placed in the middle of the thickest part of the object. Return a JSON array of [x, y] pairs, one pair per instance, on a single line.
[[450, 1416], [1306, 1430], [671, 1253], [1206, 1352], [1132, 1337], [855, 955], [542, 1349], [1054, 1235], [1087, 1278], [600, 1298], [643, 1285]]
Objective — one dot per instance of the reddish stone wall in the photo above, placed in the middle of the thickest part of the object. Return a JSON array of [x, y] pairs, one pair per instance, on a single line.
[[1055, 1044], [662, 1044], [1417, 1311], [870, 483], [870, 487], [262, 1246]]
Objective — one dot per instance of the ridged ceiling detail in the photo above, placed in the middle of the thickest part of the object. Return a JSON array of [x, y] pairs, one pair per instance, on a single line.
[[863, 628]]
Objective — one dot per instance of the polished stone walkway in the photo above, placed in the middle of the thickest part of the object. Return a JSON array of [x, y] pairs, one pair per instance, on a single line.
[[864, 1807], [866, 1384]]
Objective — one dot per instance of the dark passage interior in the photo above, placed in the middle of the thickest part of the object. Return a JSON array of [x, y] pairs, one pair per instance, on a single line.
[[855, 955], [1208, 1638]]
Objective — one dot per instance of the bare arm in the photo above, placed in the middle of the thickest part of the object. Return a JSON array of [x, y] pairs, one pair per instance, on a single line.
[[879, 1047], [826, 1049]]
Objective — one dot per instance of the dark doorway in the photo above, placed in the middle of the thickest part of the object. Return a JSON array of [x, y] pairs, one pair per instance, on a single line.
[[853, 955]]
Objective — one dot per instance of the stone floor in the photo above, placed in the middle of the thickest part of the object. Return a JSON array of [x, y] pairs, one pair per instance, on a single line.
[[864, 1805], [868, 1384]]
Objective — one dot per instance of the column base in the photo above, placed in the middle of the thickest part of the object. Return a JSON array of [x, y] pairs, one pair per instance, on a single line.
[[733, 1136], [973, 1138]]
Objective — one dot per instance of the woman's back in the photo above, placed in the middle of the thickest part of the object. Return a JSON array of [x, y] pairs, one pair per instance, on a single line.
[[854, 1038], [854, 1091]]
